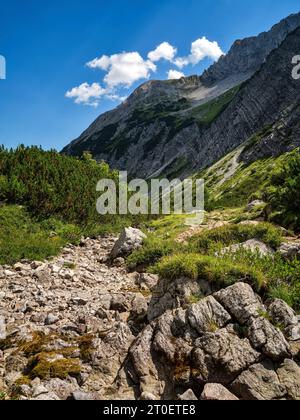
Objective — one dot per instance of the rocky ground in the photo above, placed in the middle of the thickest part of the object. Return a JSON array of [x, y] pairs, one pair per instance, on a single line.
[[80, 327]]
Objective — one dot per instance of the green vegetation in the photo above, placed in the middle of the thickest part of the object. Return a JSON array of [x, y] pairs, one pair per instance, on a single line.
[[221, 271], [196, 256], [47, 365], [48, 200], [214, 239], [159, 243], [274, 179], [273, 277], [207, 113], [284, 192], [23, 238], [152, 251], [52, 185]]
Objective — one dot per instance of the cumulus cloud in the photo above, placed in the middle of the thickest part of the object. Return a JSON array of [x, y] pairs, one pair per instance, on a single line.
[[86, 94], [123, 69], [200, 49], [175, 74], [164, 51]]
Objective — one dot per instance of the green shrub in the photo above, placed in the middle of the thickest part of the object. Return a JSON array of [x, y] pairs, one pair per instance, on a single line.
[[50, 184]]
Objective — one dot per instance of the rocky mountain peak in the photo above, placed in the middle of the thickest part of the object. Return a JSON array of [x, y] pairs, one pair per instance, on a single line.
[[247, 55], [173, 128]]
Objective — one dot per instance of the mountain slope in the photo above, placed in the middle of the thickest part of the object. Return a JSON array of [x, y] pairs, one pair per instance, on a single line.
[[174, 128]]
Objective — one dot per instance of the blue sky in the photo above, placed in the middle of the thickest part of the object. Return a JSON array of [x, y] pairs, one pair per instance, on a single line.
[[48, 44]]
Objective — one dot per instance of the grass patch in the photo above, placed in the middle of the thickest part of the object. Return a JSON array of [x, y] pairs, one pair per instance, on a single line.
[[223, 272], [151, 252], [47, 365], [270, 276], [23, 238], [212, 240], [207, 113], [160, 242]]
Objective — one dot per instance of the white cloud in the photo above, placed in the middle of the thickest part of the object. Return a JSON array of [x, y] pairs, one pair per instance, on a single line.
[[200, 49], [181, 62], [164, 51], [123, 69], [174, 74], [203, 48], [102, 63], [86, 94]]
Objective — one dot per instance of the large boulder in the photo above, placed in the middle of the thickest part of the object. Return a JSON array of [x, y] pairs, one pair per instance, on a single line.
[[220, 357], [207, 315], [259, 382], [284, 316], [253, 245], [217, 392], [289, 376], [240, 301], [129, 240], [268, 339]]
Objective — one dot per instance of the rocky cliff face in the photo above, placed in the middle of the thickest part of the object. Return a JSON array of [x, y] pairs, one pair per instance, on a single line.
[[174, 128]]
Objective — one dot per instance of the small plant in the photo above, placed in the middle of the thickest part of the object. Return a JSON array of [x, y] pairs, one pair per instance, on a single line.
[[192, 299], [264, 314], [2, 396], [70, 265], [213, 326]]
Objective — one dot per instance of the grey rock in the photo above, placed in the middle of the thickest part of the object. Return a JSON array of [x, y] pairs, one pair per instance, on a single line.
[[284, 316], [147, 396], [259, 382], [289, 376], [51, 319], [217, 392], [188, 396], [207, 315], [129, 240], [79, 301], [172, 295], [119, 262], [51, 396], [148, 280], [268, 339], [121, 303], [256, 203], [240, 301], [253, 245], [290, 250], [82, 396], [219, 357], [39, 390]]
